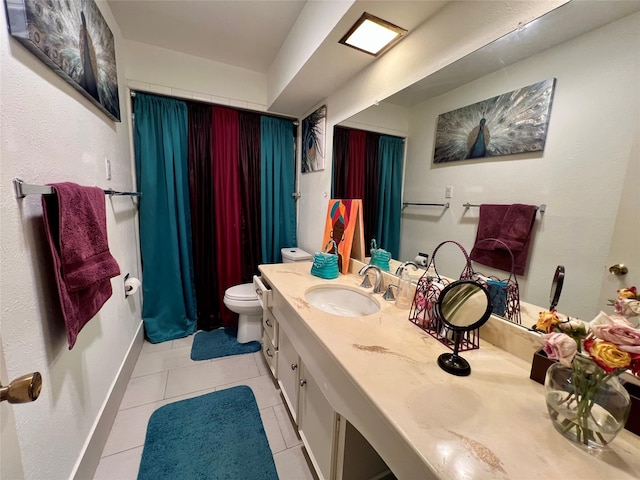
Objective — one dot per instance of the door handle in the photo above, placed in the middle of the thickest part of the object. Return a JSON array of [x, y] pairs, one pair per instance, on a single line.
[[23, 389], [618, 269]]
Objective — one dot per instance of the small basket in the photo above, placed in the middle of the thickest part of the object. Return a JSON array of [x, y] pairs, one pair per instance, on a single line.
[[423, 309], [379, 257], [325, 264], [504, 294]]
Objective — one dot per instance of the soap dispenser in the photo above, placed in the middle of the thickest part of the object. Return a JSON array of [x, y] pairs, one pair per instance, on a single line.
[[404, 297]]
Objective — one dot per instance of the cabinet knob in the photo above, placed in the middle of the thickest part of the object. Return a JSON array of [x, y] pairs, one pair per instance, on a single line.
[[269, 352], [268, 323], [294, 366], [303, 382]]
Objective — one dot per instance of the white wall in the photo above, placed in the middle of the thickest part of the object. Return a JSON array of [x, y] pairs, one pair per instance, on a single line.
[[430, 47], [579, 175], [167, 72], [51, 133]]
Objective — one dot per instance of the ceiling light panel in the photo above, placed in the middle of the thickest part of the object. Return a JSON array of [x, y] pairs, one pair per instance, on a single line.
[[372, 35]]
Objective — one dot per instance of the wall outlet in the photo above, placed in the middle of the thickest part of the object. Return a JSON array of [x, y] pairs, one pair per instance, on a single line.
[[107, 168], [448, 192]]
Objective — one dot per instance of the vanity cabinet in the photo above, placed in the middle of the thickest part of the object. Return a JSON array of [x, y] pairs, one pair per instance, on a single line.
[[316, 425], [288, 374], [269, 325], [328, 438]]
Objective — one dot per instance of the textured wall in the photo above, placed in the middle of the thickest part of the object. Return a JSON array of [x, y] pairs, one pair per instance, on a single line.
[[51, 133]]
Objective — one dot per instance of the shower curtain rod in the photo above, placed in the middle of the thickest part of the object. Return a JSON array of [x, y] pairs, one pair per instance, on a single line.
[[204, 102], [23, 189]]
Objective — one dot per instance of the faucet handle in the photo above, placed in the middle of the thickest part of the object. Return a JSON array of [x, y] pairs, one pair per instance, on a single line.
[[388, 294], [366, 283]]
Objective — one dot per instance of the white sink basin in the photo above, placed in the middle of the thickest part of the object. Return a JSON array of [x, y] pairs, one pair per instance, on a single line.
[[342, 301]]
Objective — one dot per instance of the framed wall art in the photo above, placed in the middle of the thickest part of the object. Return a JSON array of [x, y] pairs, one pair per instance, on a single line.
[[514, 122], [313, 135], [74, 40]]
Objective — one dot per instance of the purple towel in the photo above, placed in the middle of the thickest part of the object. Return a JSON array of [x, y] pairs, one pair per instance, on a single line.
[[513, 226], [75, 221]]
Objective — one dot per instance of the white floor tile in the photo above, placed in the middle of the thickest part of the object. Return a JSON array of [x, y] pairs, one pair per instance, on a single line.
[[120, 466], [162, 361], [292, 465], [145, 389], [218, 372], [183, 342], [286, 425], [272, 429], [148, 347], [265, 391], [130, 428]]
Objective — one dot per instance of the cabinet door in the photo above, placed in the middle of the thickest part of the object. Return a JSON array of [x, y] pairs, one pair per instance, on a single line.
[[288, 374], [317, 425]]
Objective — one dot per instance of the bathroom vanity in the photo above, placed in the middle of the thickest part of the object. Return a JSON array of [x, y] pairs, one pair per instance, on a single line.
[[369, 398]]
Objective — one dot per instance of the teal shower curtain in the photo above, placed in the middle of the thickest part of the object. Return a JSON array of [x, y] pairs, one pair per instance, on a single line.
[[160, 131], [277, 183], [391, 154]]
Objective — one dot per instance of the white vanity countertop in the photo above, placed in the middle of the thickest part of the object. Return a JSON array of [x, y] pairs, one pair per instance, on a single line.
[[491, 424]]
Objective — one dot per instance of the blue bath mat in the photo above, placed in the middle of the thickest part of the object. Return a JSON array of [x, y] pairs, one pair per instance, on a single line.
[[215, 436], [221, 342]]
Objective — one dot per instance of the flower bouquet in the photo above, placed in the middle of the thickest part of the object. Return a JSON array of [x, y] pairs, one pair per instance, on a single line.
[[585, 400]]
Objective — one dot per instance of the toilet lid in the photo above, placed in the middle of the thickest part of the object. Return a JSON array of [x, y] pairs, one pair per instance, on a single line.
[[244, 291]]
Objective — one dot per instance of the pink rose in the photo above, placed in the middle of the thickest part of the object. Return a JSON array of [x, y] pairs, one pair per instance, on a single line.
[[559, 346], [627, 306], [622, 335]]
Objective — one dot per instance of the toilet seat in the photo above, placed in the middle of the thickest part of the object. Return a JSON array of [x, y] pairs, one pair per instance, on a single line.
[[243, 292]]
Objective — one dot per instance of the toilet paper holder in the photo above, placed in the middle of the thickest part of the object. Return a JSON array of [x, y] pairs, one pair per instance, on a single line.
[[130, 289]]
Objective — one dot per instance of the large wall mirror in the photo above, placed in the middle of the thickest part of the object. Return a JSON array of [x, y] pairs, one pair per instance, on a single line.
[[587, 175]]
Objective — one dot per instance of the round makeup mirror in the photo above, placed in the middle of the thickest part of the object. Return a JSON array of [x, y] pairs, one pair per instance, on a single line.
[[556, 287], [463, 305]]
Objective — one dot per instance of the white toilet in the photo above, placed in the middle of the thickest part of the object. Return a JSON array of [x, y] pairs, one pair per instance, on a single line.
[[242, 300], [291, 255]]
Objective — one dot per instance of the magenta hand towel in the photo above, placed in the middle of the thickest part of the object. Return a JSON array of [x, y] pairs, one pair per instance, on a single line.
[[76, 226], [513, 226]]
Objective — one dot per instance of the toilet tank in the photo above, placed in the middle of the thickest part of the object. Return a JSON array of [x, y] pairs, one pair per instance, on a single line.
[[291, 255]]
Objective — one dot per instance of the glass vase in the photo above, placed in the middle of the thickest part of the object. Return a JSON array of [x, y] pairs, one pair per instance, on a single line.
[[586, 405]]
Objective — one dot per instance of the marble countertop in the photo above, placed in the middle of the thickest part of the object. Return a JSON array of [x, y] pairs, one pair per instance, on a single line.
[[491, 424]]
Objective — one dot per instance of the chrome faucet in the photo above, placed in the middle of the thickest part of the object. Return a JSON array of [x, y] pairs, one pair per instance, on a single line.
[[377, 287], [404, 265]]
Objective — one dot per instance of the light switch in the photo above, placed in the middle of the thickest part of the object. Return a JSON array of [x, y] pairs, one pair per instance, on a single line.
[[448, 192], [107, 167]]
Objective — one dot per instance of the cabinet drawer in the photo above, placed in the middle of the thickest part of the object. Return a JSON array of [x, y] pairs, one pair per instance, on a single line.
[[270, 354], [270, 327], [262, 291]]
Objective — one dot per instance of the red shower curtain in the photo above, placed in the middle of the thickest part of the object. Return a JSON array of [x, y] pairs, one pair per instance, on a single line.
[[227, 201]]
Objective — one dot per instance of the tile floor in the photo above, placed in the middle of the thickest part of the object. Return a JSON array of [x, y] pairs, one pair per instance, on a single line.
[[165, 373]]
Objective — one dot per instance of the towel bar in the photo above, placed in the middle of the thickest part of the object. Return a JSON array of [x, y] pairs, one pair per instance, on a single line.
[[406, 204], [541, 208], [23, 189]]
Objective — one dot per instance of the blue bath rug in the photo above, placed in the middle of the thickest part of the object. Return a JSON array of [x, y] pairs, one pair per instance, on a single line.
[[221, 342], [215, 436]]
